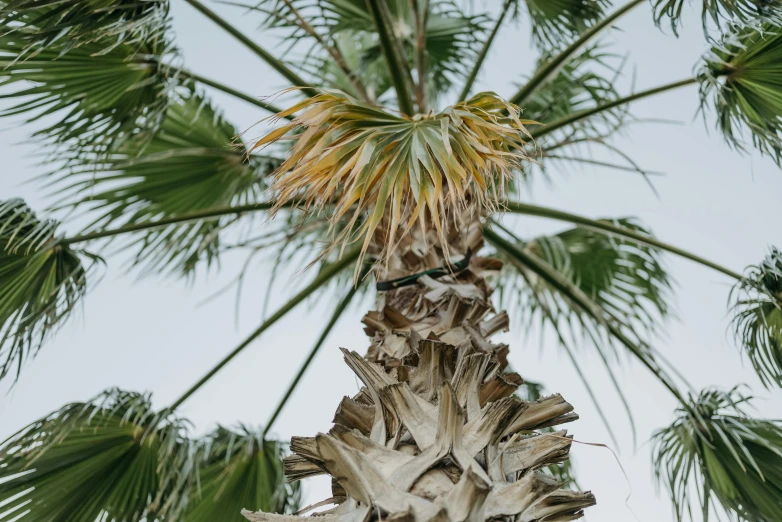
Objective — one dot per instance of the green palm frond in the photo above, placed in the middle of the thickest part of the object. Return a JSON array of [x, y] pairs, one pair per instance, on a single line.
[[113, 458], [556, 21], [192, 163], [743, 77], [715, 451], [75, 22], [718, 11], [628, 281], [41, 282], [97, 92], [239, 470], [452, 37], [757, 321]]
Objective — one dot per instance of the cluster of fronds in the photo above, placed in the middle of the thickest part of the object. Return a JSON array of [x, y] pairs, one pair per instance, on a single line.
[[366, 163], [715, 451], [132, 462], [101, 65], [76, 22], [41, 282], [116, 458], [757, 305]]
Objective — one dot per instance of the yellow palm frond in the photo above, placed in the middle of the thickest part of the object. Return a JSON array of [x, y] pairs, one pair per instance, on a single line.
[[369, 166]]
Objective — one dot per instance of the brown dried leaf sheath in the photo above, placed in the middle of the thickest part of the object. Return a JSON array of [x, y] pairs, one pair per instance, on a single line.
[[436, 432]]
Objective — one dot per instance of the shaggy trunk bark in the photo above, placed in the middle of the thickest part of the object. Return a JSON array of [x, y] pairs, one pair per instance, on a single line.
[[436, 433]]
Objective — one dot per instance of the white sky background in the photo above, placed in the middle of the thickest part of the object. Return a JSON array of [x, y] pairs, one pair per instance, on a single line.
[[149, 334]]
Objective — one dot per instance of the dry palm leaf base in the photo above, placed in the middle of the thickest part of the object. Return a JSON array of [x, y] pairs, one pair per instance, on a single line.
[[436, 433]]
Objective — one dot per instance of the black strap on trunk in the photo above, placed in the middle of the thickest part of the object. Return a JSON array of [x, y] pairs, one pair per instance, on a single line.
[[434, 273]]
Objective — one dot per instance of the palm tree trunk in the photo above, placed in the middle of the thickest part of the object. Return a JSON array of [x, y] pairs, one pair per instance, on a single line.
[[437, 432]]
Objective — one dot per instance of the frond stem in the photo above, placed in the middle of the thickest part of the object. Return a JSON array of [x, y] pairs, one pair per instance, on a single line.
[[277, 65], [396, 65], [420, 16], [338, 311], [190, 216], [484, 52], [324, 276], [230, 90], [586, 113], [550, 68], [603, 226], [577, 296]]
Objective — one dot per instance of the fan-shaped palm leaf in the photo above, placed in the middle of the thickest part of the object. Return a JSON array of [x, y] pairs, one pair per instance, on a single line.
[[367, 162], [743, 76], [714, 450], [718, 10], [112, 457], [98, 92], [71, 23], [758, 317], [556, 21], [239, 470], [41, 282], [628, 281], [190, 164]]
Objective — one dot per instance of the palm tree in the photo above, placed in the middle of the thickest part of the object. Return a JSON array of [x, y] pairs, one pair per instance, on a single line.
[[407, 195]]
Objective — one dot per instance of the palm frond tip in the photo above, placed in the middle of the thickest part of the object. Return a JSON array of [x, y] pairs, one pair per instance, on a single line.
[[715, 451], [554, 22], [743, 77], [718, 11], [370, 164], [757, 320], [41, 282]]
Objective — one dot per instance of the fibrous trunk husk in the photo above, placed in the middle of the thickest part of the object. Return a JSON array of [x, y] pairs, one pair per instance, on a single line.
[[437, 432]]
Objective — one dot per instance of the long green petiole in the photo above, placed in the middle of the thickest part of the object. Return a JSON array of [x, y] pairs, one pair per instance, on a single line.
[[396, 66], [338, 311], [586, 113], [230, 90], [579, 298], [550, 68], [324, 276], [609, 228], [484, 52], [190, 216], [277, 65]]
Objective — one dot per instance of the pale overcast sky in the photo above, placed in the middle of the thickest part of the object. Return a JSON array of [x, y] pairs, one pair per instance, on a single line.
[[150, 334]]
